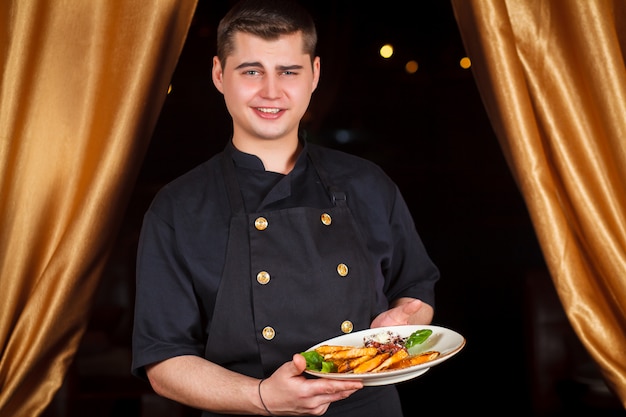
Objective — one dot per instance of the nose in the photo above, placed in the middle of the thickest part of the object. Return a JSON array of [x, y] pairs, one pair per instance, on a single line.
[[271, 86]]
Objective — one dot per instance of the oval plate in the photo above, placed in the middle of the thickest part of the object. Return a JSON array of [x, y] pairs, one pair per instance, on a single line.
[[447, 342]]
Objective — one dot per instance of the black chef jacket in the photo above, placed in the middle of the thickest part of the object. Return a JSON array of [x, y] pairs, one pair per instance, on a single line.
[[184, 238]]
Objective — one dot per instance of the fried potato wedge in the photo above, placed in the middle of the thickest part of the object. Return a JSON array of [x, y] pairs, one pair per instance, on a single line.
[[372, 363], [415, 360], [395, 358], [349, 353], [325, 349], [350, 364]]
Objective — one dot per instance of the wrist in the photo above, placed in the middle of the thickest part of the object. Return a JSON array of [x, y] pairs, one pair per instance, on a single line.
[[269, 413]]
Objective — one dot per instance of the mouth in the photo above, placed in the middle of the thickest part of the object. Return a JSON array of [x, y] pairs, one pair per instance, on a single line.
[[267, 110]]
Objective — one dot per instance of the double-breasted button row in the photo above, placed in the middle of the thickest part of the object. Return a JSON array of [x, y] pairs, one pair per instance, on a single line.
[[261, 223], [269, 333], [342, 269], [263, 277]]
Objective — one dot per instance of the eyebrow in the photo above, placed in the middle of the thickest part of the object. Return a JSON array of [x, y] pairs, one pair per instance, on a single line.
[[258, 64]]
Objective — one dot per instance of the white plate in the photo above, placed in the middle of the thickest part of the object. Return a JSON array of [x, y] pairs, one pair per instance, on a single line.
[[447, 342]]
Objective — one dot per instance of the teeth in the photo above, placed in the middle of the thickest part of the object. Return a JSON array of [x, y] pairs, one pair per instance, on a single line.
[[272, 111]]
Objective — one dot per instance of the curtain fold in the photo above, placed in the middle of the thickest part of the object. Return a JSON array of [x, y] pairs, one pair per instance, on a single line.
[[81, 87], [552, 77]]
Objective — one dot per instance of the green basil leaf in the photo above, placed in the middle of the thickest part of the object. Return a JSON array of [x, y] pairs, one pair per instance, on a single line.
[[417, 338], [328, 367], [313, 360], [316, 362]]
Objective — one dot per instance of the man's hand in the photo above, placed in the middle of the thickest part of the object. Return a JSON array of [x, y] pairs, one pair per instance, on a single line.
[[405, 311], [287, 392]]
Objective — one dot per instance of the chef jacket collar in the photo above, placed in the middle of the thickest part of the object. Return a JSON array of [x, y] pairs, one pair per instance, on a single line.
[[250, 161]]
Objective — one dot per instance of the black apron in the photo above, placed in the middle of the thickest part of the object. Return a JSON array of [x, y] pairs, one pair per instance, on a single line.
[[293, 278]]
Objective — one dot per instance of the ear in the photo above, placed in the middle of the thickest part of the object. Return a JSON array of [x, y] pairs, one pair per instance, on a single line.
[[217, 73], [316, 72]]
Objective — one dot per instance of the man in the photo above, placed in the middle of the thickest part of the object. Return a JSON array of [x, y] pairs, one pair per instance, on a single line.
[[273, 245]]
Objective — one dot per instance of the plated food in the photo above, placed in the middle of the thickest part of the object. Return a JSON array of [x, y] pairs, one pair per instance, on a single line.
[[384, 355], [381, 351]]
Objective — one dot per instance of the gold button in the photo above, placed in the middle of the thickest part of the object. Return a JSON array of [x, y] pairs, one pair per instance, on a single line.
[[269, 333], [260, 223], [263, 277], [326, 219], [347, 326], [342, 269]]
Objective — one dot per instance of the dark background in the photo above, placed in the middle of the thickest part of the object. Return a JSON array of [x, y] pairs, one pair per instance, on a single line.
[[430, 133]]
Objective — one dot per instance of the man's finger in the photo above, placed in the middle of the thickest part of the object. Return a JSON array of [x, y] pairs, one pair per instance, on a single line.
[[299, 363]]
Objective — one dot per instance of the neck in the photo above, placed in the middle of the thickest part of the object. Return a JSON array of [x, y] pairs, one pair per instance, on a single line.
[[277, 155]]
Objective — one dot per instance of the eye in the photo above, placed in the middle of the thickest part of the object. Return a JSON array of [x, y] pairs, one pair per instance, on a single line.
[[251, 72]]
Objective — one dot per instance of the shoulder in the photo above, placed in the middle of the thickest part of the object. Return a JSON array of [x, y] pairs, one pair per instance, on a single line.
[[193, 190], [350, 163], [343, 167]]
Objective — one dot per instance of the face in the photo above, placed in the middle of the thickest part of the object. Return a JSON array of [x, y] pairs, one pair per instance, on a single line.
[[267, 86]]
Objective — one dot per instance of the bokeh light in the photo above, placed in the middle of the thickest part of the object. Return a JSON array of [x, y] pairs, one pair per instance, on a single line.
[[411, 67], [465, 63], [386, 51]]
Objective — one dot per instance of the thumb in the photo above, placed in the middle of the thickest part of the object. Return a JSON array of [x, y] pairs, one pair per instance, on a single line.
[[412, 307], [299, 363]]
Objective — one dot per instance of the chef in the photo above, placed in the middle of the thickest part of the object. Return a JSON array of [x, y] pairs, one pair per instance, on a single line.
[[273, 245]]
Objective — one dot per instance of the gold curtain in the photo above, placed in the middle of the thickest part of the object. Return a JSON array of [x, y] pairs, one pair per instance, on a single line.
[[82, 83], [552, 78]]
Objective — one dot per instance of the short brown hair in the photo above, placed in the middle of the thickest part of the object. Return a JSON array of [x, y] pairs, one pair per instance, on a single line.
[[268, 19]]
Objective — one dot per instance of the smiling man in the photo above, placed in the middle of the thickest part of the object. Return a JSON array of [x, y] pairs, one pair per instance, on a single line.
[[273, 245]]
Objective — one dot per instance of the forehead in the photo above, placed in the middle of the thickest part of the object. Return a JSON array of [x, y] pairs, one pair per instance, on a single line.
[[284, 50]]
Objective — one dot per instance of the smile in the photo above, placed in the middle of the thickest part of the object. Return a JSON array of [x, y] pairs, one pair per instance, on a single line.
[[269, 111]]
